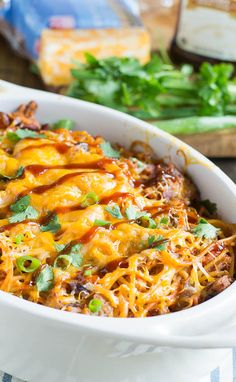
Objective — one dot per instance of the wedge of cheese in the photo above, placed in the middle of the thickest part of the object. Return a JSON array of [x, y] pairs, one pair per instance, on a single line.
[[60, 48]]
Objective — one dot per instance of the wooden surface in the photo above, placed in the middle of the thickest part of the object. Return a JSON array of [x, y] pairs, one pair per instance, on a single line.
[[14, 68], [161, 24], [221, 144]]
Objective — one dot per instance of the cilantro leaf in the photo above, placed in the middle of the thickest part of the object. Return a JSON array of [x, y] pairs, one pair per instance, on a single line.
[[159, 90], [161, 246], [108, 151], [210, 207], [151, 223], [157, 242], [22, 210], [29, 213], [59, 247], [53, 225], [132, 213], [45, 279], [73, 255], [114, 211], [205, 229], [15, 136], [164, 220], [21, 204], [18, 174], [76, 257], [100, 222], [152, 238], [67, 124]]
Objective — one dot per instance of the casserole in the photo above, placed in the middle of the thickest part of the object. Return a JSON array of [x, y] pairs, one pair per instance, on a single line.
[[42, 344]]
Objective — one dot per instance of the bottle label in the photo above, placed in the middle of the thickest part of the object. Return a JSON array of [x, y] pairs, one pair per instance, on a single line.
[[208, 28]]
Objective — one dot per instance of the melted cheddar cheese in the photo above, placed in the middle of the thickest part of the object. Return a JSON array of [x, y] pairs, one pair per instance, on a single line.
[[90, 229]]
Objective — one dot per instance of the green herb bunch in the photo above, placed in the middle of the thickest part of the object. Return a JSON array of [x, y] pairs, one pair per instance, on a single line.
[[177, 100]]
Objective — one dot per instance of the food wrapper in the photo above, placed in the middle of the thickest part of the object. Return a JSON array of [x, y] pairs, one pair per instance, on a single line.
[[57, 33]]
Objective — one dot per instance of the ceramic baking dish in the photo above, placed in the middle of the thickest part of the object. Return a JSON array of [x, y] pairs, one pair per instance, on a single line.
[[41, 344]]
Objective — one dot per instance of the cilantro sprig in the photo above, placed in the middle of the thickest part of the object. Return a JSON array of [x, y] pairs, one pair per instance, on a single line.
[[22, 210], [132, 213], [45, 279], [177, 99], [157, 242], [210, 206], [16, 136], [205, 229], [53, 224], [70, 254]]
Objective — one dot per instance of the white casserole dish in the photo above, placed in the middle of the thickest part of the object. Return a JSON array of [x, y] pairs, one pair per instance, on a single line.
[[40, 344]]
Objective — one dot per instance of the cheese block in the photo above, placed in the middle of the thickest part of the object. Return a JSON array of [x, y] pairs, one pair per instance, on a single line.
[[60, 48]]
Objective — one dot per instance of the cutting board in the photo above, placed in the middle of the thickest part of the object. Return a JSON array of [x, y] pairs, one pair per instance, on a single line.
[[221, 144]]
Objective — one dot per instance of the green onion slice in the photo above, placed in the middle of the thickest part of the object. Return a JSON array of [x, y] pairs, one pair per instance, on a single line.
[[27, 264], [89, 199], [63, 262], [101, 223], [95, 305]]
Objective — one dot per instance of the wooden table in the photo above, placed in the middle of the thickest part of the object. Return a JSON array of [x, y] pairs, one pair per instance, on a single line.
[[15, 69]]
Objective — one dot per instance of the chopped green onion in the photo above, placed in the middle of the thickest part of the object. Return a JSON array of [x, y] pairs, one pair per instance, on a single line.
[[89, 199], [67, 124], [108, 150], [95, 305], [18, 239], [27, 264], [114, 211], [18, 174], [87, 272], [100, 222], [63, 262]]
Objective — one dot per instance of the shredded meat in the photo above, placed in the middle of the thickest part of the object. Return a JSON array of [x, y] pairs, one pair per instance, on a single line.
[[217, 287], [4, 120], [168, 181], [24, 117]]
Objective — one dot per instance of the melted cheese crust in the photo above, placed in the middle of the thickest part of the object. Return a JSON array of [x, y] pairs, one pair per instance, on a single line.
[[135, 267]]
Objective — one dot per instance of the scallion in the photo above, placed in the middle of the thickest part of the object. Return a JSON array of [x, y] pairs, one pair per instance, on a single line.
[[89, 199], [95, 305], [27, 264]]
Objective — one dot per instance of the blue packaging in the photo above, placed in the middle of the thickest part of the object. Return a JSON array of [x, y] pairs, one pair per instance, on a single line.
[[22, 21]]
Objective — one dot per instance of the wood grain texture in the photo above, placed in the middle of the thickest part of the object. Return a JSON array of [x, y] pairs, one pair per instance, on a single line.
[[16, 69], [221, 144]]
